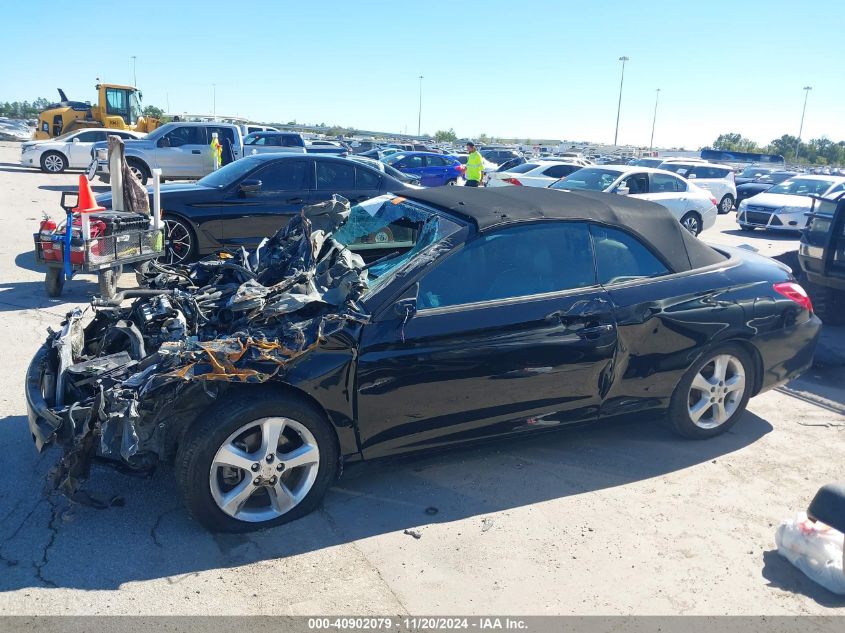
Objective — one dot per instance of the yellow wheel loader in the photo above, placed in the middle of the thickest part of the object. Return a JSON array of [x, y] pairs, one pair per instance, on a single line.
[[118, 108]]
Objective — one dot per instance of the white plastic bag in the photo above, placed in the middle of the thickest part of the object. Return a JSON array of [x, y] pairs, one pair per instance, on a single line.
[[815, 549]]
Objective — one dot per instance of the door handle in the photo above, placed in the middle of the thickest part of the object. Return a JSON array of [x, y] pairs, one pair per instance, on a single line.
[[294, 201], [195, 151]]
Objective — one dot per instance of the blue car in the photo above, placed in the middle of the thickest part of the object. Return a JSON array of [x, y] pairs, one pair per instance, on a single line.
[[432, 169]]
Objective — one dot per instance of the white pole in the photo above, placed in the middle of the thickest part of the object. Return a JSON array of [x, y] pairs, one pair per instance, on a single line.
[[156, 199], [86, 226]]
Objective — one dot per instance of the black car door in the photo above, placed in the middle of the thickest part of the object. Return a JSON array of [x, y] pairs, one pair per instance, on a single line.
[[262, 203], [511, 333]]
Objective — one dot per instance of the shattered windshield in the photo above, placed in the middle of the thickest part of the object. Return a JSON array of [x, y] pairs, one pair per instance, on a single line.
[[394, 227]]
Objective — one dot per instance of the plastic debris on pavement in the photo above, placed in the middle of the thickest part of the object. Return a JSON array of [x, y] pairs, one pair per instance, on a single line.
[[814, 548]]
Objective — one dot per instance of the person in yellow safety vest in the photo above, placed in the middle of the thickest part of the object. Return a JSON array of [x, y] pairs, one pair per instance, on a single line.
[[216, 152], [475, 166]]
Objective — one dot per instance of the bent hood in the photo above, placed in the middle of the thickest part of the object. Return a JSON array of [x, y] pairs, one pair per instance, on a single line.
[[242, 317]]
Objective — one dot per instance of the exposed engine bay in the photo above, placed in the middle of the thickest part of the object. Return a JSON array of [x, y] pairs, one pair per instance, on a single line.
[[113, 386]]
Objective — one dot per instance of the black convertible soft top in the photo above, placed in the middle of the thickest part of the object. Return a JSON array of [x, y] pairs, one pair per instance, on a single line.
[[493, 207]]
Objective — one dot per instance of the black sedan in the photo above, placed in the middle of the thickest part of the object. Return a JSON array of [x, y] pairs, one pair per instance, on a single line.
[[761, 184], [253, 197], [508, 312]]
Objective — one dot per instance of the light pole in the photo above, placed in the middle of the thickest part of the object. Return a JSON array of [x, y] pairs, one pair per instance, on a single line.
[[134, 75], [653, 121], [801, 128], [214, 101], [419, 114], [622, 59]]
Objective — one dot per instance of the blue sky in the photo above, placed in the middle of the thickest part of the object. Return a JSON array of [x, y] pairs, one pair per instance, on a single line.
[[542, 69]]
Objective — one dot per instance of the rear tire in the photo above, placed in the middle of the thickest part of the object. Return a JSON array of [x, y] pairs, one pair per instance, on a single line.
[[713, 393], [726, 204], [692, 223], [200, 471], [141, 171], [180, 242], [54, 281]]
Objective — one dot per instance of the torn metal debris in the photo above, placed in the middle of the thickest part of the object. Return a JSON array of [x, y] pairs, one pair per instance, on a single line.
[[113, 385]]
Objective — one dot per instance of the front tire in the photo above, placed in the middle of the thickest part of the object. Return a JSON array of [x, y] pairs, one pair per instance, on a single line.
[[256, 461], [713, 393], [726, 204], [692, 223], [53, 163]]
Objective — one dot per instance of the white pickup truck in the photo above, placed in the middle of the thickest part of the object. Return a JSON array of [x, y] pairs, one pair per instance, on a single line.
[[182, 150]]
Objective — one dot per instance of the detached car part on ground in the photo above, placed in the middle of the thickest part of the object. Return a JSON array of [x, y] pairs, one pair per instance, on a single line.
[[498, 312]]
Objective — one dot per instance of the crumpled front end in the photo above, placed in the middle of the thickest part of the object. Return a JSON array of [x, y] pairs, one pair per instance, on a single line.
[[120, 384]]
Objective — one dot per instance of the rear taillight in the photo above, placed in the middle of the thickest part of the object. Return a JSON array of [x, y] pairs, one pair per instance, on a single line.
[[714, 202], [513, 181], [795, 292]]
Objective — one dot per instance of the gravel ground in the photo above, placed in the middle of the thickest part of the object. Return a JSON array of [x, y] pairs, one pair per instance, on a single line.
[[617, 519]]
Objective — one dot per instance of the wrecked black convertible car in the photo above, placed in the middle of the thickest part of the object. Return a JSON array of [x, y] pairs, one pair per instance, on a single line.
[[491, 312]]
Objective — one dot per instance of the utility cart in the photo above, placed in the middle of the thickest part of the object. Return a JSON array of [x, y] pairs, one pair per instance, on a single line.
[[98, 241]]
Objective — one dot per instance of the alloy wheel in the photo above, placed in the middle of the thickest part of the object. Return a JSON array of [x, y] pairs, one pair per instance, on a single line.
[[716, 391], [690, 223], [54, 163], [178, 242], [726, 205], [136, 171], [264, 469]]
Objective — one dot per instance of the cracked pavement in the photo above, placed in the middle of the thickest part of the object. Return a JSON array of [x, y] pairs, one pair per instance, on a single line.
[[610, 520]]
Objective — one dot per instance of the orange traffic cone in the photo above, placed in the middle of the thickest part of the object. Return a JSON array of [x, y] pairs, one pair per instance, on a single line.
[[86, 202]]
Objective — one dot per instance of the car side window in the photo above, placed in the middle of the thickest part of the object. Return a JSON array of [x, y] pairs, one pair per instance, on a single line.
[[282, 175], [410, 162], [514, 262], [620, 257], [636, 183], [559, 171], [335, 176], [434, 161], [187, 135], [664, 183], [90, 137], [366, 179]]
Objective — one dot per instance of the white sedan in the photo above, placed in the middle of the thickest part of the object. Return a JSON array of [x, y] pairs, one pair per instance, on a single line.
[[69, 151], [535, 173], [694, 207], [782, 207]]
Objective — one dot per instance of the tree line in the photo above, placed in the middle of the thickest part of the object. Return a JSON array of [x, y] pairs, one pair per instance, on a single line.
[[817, 151]]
